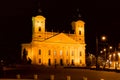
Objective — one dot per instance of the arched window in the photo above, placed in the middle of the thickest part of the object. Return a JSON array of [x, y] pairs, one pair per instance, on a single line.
[[49, 62], [39, 60], [55, 62], [80, 61], [49, 52], [39, 51], [80, 53], [72, 62], [39, 28], [79, 32], [61, 62]]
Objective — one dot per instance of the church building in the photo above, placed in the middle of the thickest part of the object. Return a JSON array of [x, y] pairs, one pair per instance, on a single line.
[[52, 48]]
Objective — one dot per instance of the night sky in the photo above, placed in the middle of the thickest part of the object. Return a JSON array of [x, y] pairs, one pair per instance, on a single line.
[[102, 17]]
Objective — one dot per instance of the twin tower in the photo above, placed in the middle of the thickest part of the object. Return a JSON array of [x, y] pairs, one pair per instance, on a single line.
[[39, 27]]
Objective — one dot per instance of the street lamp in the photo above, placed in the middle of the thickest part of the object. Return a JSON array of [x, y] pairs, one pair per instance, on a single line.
[[105, 53], [97, 66], [110, 47], [103, 38], [109, 50], [97, 53], [101, 51]]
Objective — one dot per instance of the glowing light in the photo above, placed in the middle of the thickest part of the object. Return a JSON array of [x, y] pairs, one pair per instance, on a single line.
[[103, 38], [104, 49], [101, 51], [116, 62], [114, 54], [110, 55], [107, 61], [110, 47], [119, 54], [110, 62]]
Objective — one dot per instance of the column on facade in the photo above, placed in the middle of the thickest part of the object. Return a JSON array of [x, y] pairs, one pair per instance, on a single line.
[[47, 57], [83, 55], [58, 56], [35, 52], [55, 57], [70, 55], [77, 56], [66, 56], [63, 55], [69, 58]]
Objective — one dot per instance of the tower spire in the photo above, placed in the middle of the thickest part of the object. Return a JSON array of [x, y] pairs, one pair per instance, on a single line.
[[78, 13], [39, 11]]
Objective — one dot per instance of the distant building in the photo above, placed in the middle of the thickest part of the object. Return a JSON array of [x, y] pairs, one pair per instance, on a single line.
[[52, 48], [114, 57]]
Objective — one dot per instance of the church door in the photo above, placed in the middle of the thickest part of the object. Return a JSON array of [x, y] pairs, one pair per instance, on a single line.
[[61, 62], [72, 62], [49, 62]]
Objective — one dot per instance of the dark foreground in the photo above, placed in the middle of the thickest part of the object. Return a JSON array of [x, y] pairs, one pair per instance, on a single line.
[[60, 73]]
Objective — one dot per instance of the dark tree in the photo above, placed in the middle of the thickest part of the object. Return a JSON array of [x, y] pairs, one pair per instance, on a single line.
[[25, 56], [29, 61]]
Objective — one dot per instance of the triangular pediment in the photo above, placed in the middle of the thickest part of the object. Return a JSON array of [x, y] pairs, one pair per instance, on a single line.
[[61, 38]]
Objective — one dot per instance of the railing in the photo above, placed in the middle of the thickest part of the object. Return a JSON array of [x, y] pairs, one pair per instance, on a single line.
[[16, 79], [35, 77]]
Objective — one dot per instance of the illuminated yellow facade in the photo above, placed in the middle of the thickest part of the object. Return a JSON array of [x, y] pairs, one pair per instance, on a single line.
[[114, 59], [52, 48]]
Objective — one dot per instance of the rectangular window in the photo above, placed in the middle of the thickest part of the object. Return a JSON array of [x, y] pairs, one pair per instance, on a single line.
[[39, 28], [80, 53], [79, 32], [72, 53], [72, 62], [49, 52], [55, 61], [39, 51], [80, 61], [39, 60]]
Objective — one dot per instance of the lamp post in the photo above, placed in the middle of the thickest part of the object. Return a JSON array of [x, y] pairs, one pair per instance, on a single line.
[[105, 53], [104, 39], [109, 50], [97, 53], [97, 66]]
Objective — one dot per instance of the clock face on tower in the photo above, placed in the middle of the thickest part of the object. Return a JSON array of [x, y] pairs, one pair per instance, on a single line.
[[38, 23]]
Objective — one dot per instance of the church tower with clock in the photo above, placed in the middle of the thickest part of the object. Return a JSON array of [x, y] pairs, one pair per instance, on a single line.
[[38, 28], [53, 48]]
